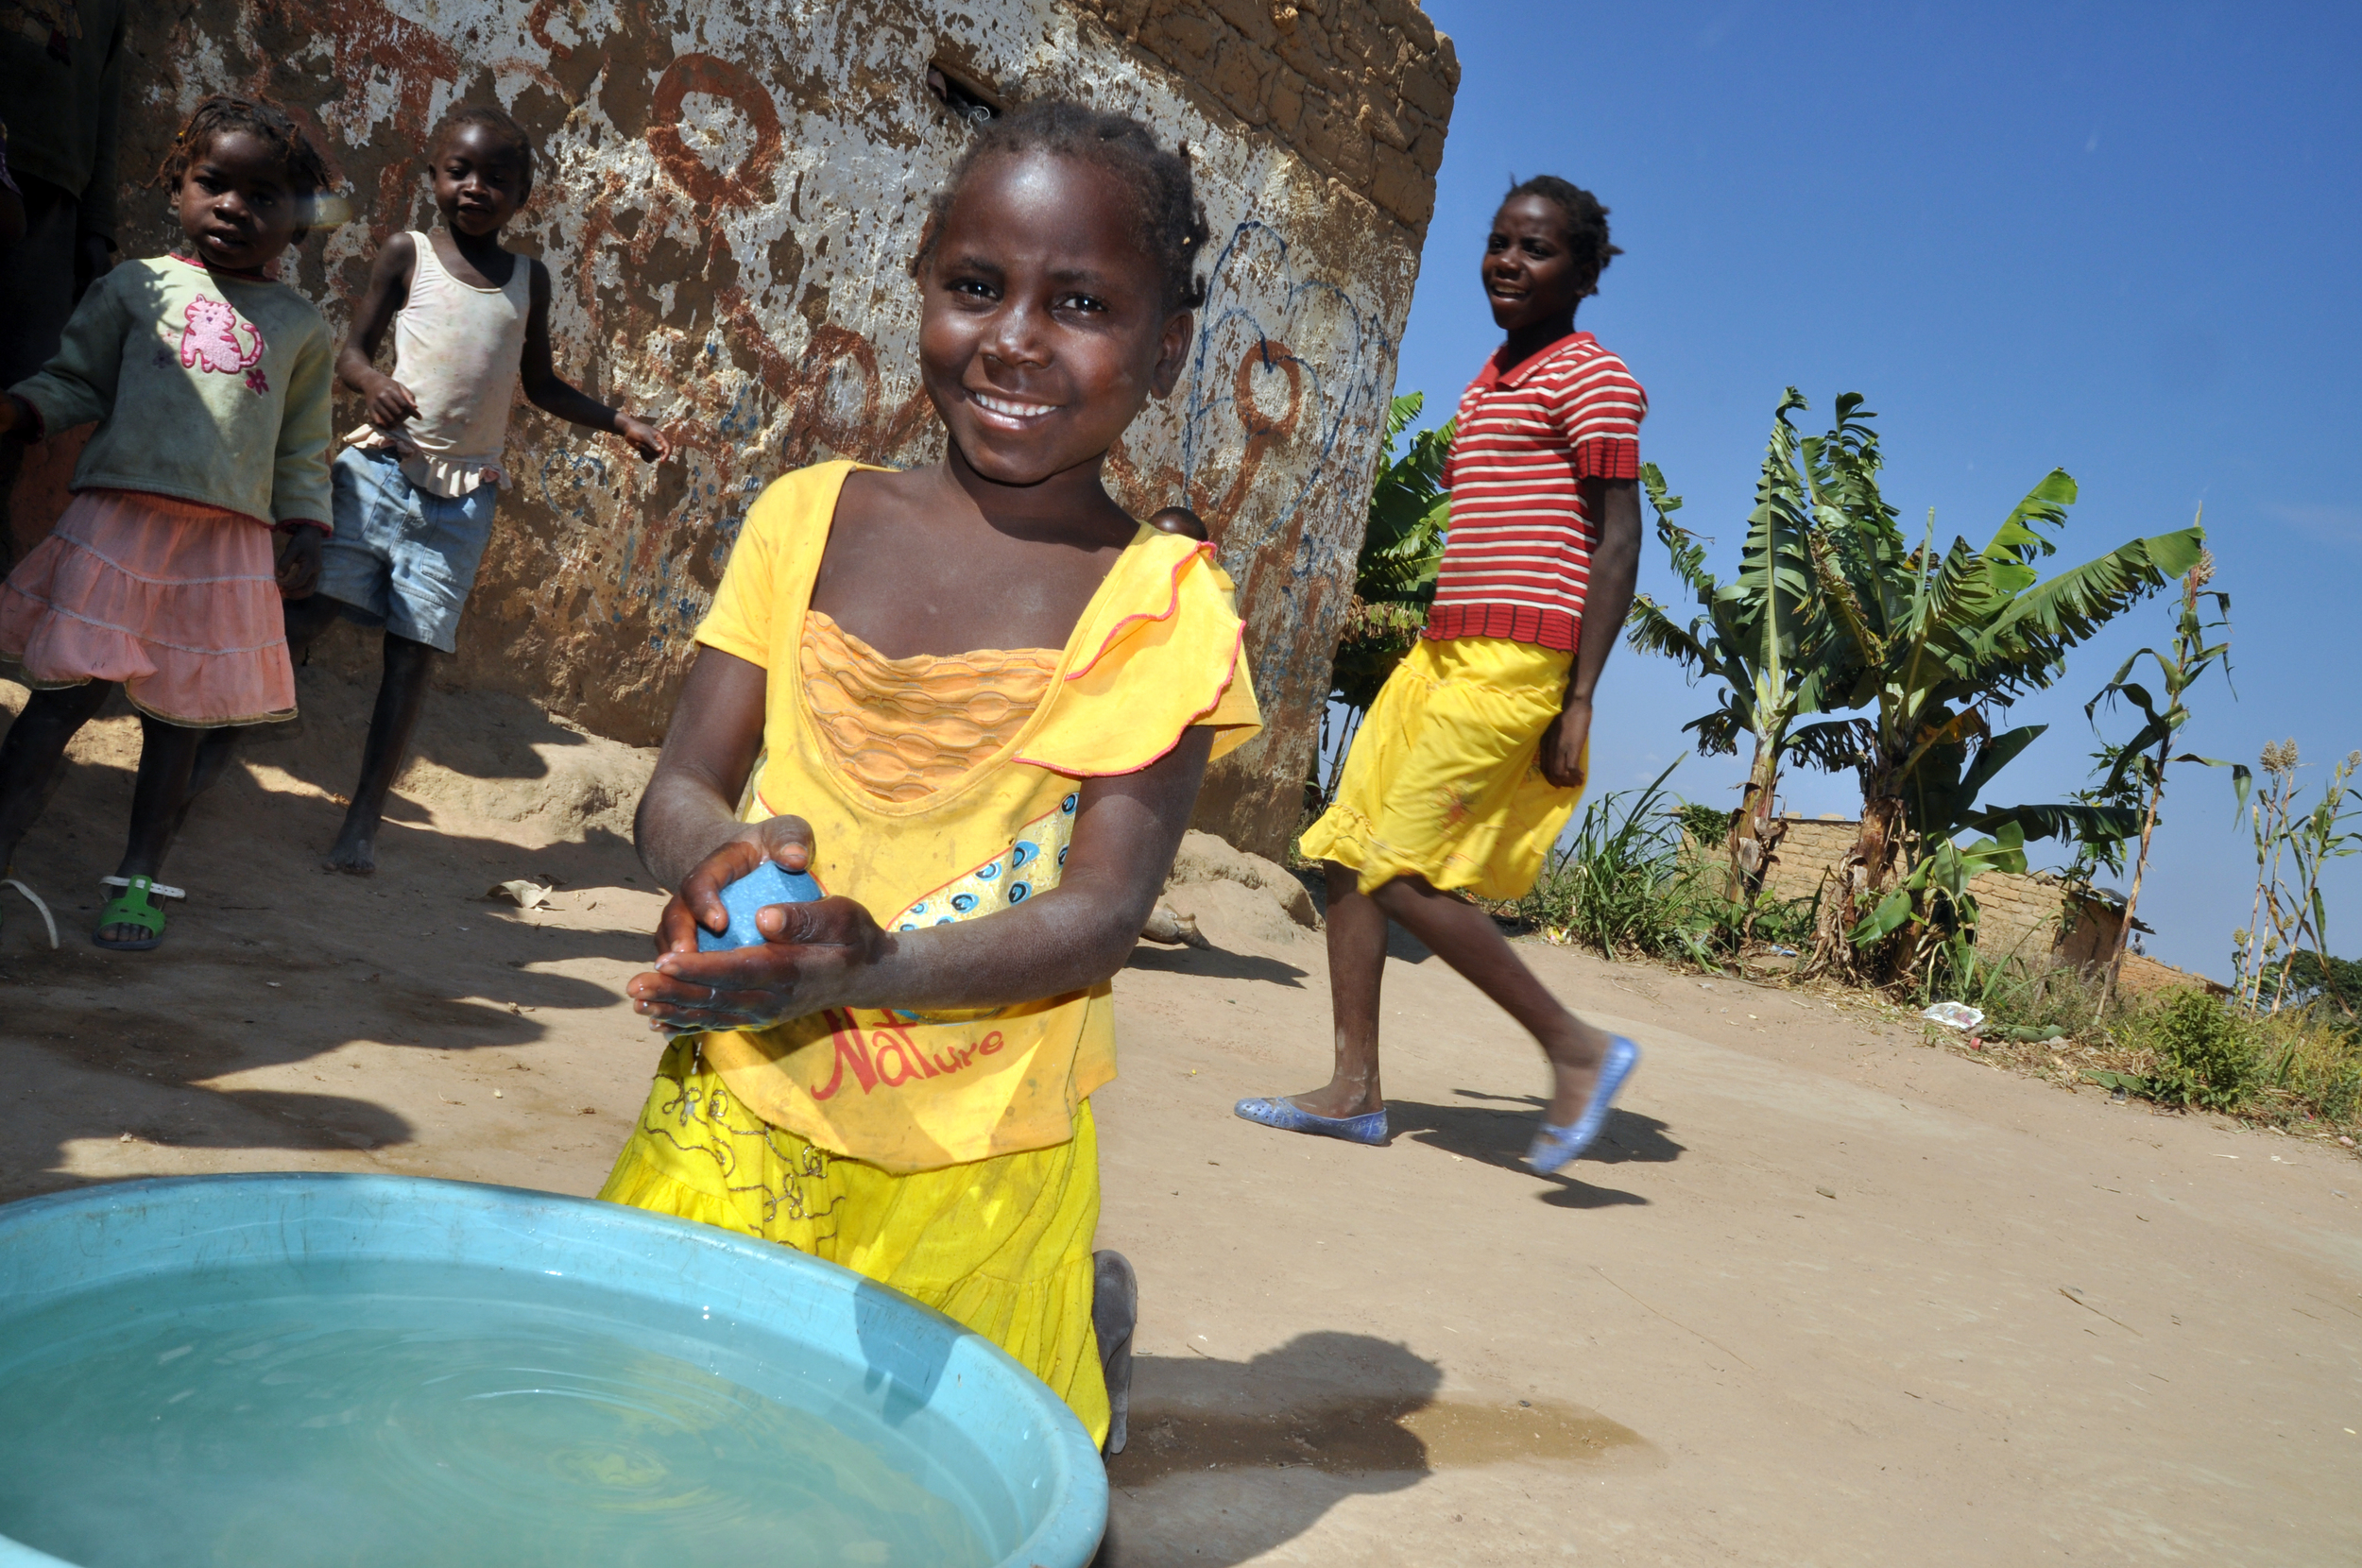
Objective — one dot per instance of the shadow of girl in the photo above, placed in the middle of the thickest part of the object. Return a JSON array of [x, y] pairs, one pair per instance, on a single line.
[[1230, 1459], [1292, 1432]]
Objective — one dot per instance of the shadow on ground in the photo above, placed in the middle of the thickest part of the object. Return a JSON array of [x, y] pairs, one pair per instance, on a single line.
[[1498, 1134], [1215, 964], [1230, 1459], [271, 962]]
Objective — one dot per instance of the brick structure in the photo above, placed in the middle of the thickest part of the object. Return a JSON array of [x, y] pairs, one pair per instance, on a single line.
[[1361, 91], [2018, 915], [2143, 976]]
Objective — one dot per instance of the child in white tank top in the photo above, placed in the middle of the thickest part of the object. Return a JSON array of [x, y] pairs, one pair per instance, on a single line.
[[415, 487], [457, 349]]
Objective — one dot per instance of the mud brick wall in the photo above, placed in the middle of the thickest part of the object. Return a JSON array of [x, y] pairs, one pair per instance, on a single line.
[[1361, 90], [2143, 976], [1809, 847], [728, 192], [2017, 915]]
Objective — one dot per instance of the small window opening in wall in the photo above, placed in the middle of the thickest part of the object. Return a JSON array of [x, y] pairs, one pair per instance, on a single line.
[[965, 97]]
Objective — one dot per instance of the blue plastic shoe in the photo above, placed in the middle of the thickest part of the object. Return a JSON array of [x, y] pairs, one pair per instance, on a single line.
[[1556, 1148], [1284, 1115]]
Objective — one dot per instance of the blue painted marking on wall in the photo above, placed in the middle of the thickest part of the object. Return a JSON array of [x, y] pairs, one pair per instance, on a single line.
[[1343, 395], [1210, 396]]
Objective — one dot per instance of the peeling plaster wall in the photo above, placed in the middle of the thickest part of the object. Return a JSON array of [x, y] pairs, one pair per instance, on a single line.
[[728, 194]]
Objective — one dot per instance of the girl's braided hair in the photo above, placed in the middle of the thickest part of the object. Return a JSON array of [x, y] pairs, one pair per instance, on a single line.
[[1171, 224], [1586, 221], [260, 118], [494, 119]]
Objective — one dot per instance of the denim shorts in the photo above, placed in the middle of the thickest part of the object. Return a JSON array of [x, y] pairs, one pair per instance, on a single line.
[[402, 557]]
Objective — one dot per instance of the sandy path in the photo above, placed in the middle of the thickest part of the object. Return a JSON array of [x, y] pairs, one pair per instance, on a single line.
[[2020, 1325]]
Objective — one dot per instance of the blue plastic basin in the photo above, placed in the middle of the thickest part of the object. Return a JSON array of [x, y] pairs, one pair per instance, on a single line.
[[948, 1411]]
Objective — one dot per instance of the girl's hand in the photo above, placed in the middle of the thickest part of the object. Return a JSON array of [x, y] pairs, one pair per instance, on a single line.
[[646, 439], [1563, 743], [808, 954], [390, 403], [299, 561], [808, 950], [699, 902]]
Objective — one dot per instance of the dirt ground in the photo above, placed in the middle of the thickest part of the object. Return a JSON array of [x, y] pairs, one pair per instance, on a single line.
[[1824, 1295]]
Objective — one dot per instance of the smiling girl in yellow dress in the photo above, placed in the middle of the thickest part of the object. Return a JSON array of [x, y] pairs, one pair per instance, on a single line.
[[984, 697]]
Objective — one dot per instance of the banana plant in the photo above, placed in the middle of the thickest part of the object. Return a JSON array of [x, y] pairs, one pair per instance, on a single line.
[[1763, 637], [1937, 640], [1409, 512]]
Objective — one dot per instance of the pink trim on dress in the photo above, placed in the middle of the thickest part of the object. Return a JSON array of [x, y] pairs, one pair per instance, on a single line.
[[1237, 644], [1172, 603]]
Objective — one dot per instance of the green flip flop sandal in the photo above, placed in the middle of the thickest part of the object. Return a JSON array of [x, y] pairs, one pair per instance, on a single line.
[[135, 906]]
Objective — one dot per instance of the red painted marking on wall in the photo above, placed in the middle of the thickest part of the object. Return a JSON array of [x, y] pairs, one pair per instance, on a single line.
[[710, 186], [1261, 433]]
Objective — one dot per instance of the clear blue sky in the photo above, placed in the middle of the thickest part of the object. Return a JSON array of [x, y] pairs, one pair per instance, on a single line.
[[2120, 240]]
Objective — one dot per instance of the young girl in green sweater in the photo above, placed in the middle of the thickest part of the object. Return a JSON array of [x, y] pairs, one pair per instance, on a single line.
[[210, 382]]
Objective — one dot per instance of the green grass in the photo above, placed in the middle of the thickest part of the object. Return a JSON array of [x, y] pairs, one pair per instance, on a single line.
[[2022, 1001], [1623, 885]]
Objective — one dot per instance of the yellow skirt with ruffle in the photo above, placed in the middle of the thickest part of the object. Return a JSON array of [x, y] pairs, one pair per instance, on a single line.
[[1001, 1246], [1444, 778]]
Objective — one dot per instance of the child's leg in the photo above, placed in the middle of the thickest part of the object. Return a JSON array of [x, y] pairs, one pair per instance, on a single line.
[[304, 620], [1357, 965], [159, 800], [430, 546], [400, 695], [31, 757], [1465, 937], [167, 752]]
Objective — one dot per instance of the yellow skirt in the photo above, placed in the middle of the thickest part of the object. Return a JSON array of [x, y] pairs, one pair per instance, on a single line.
[[1444, 778], [1000, 1246]]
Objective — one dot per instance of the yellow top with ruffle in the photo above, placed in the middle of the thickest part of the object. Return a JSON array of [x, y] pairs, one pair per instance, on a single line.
[[1156, 652], [905, 728]]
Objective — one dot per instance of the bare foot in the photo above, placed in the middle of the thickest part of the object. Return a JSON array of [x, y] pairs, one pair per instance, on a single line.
[[1338, 1100], [1576, 1058], [355, 854]]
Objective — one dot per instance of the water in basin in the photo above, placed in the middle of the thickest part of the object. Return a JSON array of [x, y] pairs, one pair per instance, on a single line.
[[404, 1415]]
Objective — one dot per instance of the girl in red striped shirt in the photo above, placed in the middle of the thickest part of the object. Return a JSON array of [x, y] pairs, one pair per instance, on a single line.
[[1473, 757]]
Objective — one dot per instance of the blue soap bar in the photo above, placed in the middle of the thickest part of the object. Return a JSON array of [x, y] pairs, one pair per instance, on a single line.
[[766, 884]]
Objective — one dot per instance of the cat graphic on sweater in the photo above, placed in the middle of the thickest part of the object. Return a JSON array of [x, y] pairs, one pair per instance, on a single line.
[[210, 342]]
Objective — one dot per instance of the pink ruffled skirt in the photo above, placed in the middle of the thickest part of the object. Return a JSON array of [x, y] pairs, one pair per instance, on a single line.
[[177, 599]]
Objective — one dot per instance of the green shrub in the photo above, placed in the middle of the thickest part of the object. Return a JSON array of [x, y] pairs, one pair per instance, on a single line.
[[2206, 1053]]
